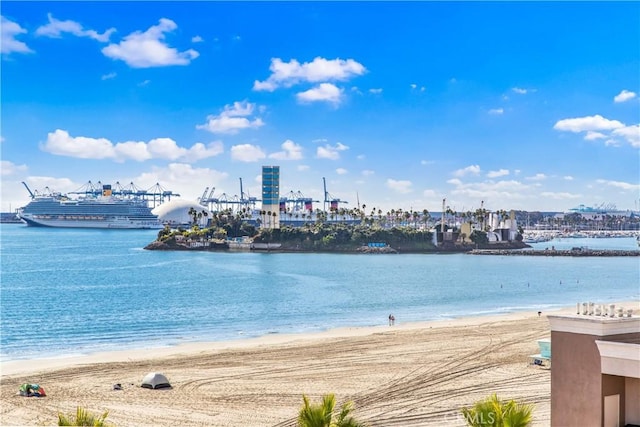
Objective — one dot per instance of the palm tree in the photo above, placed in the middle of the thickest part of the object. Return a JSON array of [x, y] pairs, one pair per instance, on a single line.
[[83, 418], [321, 414], [493, 412], [194, 214], [426, 216]]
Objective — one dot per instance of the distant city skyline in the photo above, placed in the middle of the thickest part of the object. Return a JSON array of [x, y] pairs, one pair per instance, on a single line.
[[517, 105]]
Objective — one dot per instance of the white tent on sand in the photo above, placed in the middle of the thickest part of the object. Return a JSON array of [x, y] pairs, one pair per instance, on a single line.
[[155, 380]]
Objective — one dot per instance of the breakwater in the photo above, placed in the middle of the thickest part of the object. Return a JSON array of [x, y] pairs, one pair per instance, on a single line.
[[579, 252]]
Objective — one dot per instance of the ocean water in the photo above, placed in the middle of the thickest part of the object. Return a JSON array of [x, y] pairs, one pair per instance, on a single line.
[[70, 292]]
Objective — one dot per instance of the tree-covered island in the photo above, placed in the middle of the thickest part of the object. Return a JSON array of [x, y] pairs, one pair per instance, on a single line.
[[367, 234]]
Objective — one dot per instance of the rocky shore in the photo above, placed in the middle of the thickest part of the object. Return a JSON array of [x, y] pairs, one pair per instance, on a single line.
[[172, 245], [406, 248], [554, 252]]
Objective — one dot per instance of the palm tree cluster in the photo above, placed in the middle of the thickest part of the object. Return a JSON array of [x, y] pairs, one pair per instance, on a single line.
[[220, 226], [83, 418], [336, 229], [322, 414], [335, 236], [493, 412]]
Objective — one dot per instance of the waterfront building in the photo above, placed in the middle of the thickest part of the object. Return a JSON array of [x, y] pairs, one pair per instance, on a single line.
[[595, 375]]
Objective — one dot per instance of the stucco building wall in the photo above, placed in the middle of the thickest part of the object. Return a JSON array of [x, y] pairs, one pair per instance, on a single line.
[[578, 386]]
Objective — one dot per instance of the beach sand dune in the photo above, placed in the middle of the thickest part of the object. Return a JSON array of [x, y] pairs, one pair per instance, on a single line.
[[402, 375]]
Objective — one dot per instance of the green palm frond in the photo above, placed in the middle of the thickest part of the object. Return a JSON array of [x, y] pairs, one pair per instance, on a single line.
[[83, 418], [519, 415], [321, 414], [492, 412]]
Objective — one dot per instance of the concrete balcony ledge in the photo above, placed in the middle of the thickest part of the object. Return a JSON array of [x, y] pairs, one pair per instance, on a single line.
[[622, 359], [595, 325]]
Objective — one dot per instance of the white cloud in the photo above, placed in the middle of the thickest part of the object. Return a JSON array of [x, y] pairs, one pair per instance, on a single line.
[[287, 74], [620, 184], [367, 172], [537, 177], [303, 168], [232, 119], [560, 195], [495, 174], [196, 39], [427, 162], [62, 185], [592, 124], [431, 194], [8, 168], [589, 123], [623, 96], [592, 135], [630, 133], [568, 178], [148, 49], [290, 151], [330, 152], [61, 143], [166, 148], [399, 186], [56, 28], [612, 143], [498, 190], [375, 91], [9, 31], [247, 153], [342, 171], [108, 76], [180, 178], [325, 92], [473, 169], [496, 111], [519, 90]]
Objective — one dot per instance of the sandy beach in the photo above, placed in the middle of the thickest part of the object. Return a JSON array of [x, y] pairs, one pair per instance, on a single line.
[[403, 375]]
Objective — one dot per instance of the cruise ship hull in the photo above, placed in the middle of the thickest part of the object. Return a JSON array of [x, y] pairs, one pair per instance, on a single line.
[[107, 223]]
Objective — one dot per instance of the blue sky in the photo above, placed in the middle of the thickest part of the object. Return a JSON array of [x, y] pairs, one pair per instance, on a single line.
[[518, 105]]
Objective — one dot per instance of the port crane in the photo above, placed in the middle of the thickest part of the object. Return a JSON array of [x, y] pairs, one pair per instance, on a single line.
[[154, 195], [296, 202], [224, 201], [330, 201]]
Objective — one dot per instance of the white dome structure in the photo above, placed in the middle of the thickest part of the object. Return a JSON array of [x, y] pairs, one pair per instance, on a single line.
[[176, 212]]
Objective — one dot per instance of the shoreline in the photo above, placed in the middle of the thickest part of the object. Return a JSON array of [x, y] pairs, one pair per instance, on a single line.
[[33, 365], [413, 374]]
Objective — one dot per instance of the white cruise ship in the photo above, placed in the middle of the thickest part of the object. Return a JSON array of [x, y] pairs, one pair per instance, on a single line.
[[93, 211]]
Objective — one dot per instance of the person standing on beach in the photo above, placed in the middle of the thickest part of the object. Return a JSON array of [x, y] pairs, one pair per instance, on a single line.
[[392, 319]]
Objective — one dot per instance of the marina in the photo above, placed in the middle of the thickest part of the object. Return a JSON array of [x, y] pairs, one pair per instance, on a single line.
[[573, 252]]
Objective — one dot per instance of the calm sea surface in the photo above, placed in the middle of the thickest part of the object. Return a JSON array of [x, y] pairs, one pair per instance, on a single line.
[[70, 292]]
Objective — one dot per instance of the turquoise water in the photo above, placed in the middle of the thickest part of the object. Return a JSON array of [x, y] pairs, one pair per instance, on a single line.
[[69, 292]]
